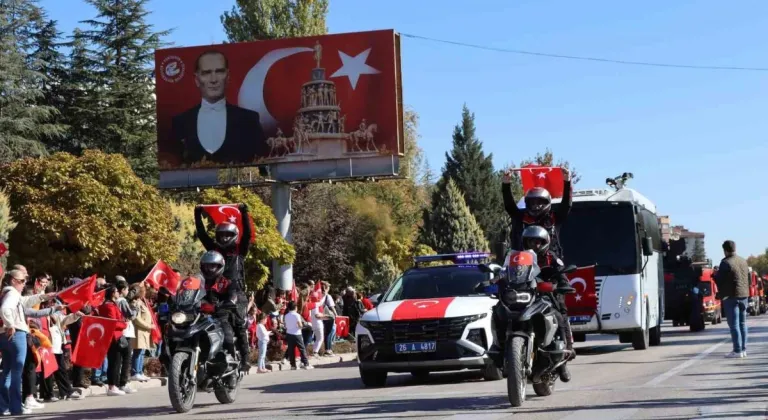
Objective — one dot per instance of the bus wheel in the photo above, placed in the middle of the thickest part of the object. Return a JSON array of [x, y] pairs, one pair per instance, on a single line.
[[640, 339], [655, 336]]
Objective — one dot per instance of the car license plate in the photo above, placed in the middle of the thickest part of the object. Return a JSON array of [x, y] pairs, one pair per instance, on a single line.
[[421, 347], [580, 318]]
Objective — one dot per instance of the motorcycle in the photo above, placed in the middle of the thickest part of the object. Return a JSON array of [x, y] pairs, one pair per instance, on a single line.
[[197, 357], [534, 347]]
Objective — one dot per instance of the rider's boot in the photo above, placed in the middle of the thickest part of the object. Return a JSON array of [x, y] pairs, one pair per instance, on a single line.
[[569, 339], [564, 372], [244, 351]]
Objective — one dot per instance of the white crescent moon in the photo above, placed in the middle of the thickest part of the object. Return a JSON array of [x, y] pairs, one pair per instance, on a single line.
[[154, 277], [425, 301], [251, 94], [579, 280], [221, 210], [516, 258], [96, 326]]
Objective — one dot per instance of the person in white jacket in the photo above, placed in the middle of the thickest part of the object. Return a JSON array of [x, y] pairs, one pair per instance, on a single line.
[[13, 340]]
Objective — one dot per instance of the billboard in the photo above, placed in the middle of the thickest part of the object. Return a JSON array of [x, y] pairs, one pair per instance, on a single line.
[[312, 108]]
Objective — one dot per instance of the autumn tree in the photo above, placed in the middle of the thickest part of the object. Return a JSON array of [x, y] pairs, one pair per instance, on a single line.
[[269, 244], [256, 20], [85, 214]]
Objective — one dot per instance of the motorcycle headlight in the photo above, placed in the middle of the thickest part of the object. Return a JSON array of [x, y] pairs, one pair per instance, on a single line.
[[179, 318]]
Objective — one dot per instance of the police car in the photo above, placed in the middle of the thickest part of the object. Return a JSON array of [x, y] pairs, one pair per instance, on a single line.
[[432, 318]]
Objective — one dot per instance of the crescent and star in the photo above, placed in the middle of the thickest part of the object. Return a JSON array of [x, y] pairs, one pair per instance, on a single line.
[[579, 280], [97, 326], [251, 95]]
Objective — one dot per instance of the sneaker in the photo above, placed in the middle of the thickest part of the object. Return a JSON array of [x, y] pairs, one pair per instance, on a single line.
[[329, 353], [115, 392], [743, 354], [75, 396], [32, 404], [7, 413], [136, 378], [734, 355], [307, 367], [145, 378], [128, 390], [51, 400], [294, 368]]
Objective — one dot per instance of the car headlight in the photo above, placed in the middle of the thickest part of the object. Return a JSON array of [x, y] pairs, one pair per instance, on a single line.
[[179, 318], [477, 317]]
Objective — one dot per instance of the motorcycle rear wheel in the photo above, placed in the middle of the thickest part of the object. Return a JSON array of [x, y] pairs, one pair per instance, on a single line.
[[177, 381], [517, 380]]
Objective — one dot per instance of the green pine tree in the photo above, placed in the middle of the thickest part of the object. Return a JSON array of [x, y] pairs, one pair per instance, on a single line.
[[473, 173], [121, 50], [450, 225], [252, 20], [79, 106], [699, 253], [24, 117]]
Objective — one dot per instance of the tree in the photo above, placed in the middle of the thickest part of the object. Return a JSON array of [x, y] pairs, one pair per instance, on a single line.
[[472, 171], [24, 117], [6, 223], [80, 108], [77, 215], [256, 20], [121, 51], [699, 254], [759, 263], [269, 244], [450, 226], [187, 261]]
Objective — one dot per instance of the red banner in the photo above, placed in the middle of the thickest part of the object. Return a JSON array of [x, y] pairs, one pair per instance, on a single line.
[[584, 301], [221, 213], [286, 100], [342, 326], [549, 178], [93, 341], [162, 275]]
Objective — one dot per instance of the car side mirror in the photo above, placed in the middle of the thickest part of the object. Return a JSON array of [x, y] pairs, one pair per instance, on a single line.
[[647, 246]]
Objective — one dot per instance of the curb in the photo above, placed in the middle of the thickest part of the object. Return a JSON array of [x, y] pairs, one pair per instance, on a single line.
[[102, 390]]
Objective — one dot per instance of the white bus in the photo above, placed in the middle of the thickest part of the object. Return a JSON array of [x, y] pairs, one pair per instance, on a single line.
[[618, 231]]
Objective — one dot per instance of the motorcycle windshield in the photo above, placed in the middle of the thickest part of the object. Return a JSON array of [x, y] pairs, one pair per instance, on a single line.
[[190, 293], [520, 267]]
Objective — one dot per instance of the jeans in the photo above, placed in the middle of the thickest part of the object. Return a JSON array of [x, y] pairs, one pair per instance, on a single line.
[[138, 362], [98, 374], [262, 355], [329, 325], [14, 353], [736, 311]]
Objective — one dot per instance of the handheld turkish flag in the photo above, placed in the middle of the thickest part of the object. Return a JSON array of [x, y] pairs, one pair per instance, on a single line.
[[78, 294], [221, 213], [93, 342], [342, 326], [156, 334], [545, 177], [584, 301], [162, 275], [294, 296], [3, 249], [48, 364]]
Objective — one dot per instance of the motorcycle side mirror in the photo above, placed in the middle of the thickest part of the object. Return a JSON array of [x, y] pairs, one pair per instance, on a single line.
[[570, 269], [647, 246]]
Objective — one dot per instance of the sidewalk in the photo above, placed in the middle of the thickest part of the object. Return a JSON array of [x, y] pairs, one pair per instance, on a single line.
[[158, 382]]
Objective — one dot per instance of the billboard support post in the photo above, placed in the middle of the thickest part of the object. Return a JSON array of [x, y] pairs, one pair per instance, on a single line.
[[281, 207]]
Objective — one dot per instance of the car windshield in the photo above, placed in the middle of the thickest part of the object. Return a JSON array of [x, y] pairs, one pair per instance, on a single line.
[[603, 234], [437, 282], [706, 288]]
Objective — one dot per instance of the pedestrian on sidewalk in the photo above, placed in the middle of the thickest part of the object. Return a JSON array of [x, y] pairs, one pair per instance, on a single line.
[[262, 334], [294, 323], [733, 284]]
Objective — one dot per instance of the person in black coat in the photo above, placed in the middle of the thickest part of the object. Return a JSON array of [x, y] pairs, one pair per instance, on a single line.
[[216, 130]]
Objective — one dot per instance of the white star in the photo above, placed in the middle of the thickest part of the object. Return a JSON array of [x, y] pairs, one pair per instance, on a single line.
[[92, 343], [232, 219], [541, 175], [578, 298], [353, 67]]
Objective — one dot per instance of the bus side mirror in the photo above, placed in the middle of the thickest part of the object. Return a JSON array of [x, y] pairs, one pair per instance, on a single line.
[[647, 246]]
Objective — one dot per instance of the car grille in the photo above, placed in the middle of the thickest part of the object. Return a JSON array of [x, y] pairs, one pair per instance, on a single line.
[[423, 330]]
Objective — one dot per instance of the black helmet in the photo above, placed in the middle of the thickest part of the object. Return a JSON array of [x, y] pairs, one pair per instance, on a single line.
[[227, 234], [535, 238], [212, 265], [538, 201]]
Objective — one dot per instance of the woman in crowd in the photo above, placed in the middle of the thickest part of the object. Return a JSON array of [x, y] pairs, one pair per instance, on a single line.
[[262, 334], [329, 322], [143, 326], [13, 340], [119, 353], [57, 327]]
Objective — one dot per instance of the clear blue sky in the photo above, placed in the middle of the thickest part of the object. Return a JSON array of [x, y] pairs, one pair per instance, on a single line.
[[694, 139]]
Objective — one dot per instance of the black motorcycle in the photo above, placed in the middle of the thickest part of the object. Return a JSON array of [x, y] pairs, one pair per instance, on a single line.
[[197, 359], [534, 347]]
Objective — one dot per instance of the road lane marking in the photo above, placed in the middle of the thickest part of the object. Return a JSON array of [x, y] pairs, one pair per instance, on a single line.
[[473, 416], [677, 369], [606, 414], [736, 411]]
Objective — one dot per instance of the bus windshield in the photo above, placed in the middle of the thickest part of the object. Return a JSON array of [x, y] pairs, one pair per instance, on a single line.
[[604, 234], [437, 282]]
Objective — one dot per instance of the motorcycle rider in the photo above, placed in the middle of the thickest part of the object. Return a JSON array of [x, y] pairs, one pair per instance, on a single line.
[[226, 244], [223, 293], [536, 239], [538, 211]]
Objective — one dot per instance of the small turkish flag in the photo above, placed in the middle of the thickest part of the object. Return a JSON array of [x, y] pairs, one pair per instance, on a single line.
[[3, 249], [584, 301], [79, 293], [93, 342], [48, 363], [545, 177], [294, 296], [221, 213], [162, 275], [342, 326]]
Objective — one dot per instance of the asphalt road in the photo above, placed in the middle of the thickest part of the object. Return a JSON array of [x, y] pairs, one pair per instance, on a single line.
[[686, 378]]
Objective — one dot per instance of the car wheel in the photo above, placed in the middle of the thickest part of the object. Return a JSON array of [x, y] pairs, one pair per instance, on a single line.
[[373, 378]]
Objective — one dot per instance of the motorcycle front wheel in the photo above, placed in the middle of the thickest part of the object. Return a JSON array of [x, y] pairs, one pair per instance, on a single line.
[[181, 390], [517, 380]]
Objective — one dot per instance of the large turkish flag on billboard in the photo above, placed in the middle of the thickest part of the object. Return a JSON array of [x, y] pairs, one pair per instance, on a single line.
[[287, 100]]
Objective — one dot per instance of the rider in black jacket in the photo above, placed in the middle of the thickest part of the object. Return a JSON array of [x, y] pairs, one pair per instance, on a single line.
[[234, 253]]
